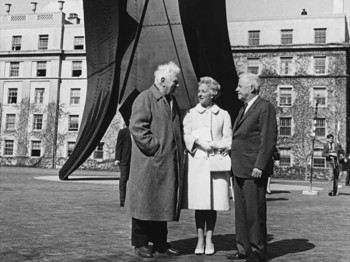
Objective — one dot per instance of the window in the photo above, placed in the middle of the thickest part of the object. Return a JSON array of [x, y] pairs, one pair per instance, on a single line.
[[76, 68], [320, 95], [320, 65], [8, 148], [14, 69], [16, 42], [10, 121], [320, 35], [41, 68], [12, 96], [253, 37], [70, 147], [286, 96], [36, 148], [98, 154], [286, 37], [320, 127], [73, 123], [75, 96], [39, 95], [286, 65], [285, 159], [319, 162], [285, 126], [253, 65], [78, 42], [43, 42], [38, 122]]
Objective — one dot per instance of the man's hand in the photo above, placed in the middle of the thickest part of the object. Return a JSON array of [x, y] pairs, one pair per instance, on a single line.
[[257, 173], [117, 162]]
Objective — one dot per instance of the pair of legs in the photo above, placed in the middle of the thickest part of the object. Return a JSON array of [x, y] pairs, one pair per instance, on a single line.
[[250, 216], [124, 176], [205, 219], [145, 231]]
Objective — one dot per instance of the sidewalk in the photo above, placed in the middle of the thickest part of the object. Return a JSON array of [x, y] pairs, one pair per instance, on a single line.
[[80, 220]]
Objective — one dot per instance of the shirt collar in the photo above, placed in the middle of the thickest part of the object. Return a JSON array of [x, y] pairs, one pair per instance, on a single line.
[[249, 104], [200, 109]]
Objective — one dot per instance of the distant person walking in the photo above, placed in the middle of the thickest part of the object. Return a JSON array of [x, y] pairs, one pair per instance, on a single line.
[[333, 152], [122, 159]]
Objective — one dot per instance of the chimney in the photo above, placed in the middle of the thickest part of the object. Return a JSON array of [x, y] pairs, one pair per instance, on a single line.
[[73, 18], [60, 5], [8, 8], [33, 6]]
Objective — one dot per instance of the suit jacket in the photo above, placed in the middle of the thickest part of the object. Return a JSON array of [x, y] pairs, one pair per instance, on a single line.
[[254, 138], [337, 149], [123, 147]]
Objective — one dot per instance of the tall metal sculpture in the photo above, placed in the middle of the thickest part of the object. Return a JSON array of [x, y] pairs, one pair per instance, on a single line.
[[126, 40]]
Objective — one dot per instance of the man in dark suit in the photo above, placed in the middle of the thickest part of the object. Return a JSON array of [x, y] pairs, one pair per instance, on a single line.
[[253, 141], [333, 152], [122, 159]]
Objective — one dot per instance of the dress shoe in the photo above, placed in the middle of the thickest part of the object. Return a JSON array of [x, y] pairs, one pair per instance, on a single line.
[[166, 249], [254, 257], [209, 249], [236, 256], [199, 250], [143, 252]]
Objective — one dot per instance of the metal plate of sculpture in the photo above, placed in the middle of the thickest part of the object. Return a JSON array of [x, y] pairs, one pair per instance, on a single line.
[[126, 40]]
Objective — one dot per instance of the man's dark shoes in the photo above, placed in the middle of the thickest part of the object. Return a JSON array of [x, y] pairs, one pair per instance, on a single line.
[[143, 252], [254, 257], [166, 249], [236, 256]]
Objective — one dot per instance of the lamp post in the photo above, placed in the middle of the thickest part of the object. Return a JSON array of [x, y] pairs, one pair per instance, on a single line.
[[313, 134], [33, 6], [60, 5], [8, 8]]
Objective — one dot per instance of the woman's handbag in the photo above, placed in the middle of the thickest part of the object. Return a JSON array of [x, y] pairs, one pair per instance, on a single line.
[[219, 163]]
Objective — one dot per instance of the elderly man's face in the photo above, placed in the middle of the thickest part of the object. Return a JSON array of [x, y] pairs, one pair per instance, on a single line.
[[244, 89], [169, 84]]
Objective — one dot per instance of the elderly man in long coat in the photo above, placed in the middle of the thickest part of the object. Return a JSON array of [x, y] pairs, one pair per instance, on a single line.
[[155, 183]]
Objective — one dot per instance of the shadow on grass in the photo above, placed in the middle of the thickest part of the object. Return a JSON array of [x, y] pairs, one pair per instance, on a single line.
[[280, 192], [91, 178], [288, 246], [277, 199]]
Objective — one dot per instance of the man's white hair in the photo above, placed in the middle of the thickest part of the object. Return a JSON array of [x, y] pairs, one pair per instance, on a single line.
[[166, 70], [253, 80]]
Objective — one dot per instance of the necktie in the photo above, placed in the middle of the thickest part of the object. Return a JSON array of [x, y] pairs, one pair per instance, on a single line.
[[331, 147], [242, 112]]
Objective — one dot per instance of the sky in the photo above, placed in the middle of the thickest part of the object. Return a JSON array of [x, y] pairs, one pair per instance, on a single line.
[[236, 8]]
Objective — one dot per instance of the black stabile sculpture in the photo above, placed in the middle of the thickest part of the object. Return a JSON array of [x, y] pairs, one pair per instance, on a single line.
[[126, 40]]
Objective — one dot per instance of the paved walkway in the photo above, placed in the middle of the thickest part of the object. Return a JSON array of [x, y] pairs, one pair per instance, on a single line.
[[44, 219]]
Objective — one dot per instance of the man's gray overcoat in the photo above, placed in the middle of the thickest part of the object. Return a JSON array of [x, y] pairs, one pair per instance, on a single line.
[[155, 184]]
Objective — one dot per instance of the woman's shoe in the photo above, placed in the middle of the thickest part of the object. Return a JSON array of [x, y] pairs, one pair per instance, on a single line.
[[199, 250], [209, 249]]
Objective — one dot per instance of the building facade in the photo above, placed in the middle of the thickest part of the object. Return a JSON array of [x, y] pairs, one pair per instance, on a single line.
[[43, 83], [302, 61]]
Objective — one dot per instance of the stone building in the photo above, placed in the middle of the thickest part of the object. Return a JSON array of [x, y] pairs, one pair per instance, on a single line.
[[301, 60], [43, 82]]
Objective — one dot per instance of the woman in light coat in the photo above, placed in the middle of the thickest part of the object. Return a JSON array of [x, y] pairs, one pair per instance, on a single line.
[[207, 130]]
